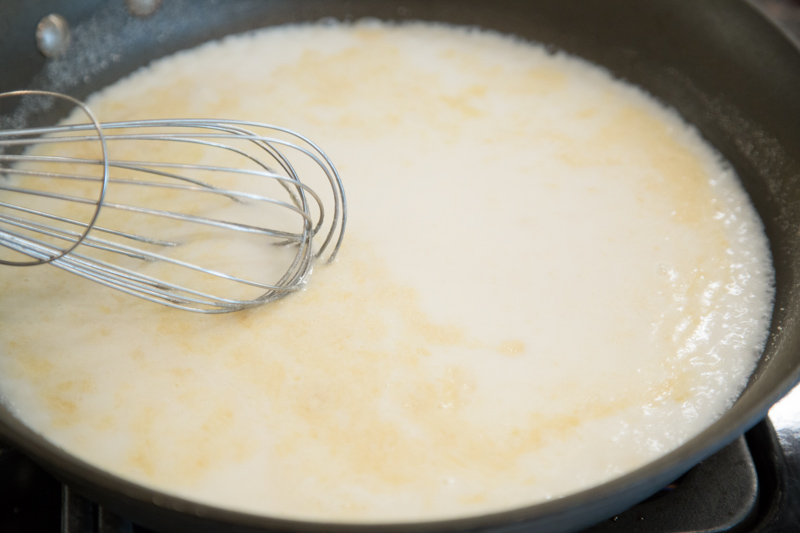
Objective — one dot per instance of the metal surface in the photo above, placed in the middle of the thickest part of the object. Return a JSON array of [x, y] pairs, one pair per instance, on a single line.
[[95, 252], [784, 13], [717, 62], [52, 35], [142, 8], [784, 417], [77, 238]]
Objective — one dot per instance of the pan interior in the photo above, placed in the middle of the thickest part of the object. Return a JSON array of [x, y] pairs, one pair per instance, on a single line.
[[749, 133]]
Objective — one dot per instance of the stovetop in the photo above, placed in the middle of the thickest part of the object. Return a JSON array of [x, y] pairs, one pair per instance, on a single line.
[[753, 485]]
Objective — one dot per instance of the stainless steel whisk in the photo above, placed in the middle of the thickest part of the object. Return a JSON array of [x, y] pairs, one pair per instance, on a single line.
[[111, 254]]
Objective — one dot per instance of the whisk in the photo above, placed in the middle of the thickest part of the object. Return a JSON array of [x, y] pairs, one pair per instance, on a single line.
[[222, 186]]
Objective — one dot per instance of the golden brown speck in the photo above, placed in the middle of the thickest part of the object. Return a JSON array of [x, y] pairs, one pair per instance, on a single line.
[[511, 347]]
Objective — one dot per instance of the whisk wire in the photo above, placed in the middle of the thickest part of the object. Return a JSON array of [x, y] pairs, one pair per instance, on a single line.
[[95, 124], [38, 229]]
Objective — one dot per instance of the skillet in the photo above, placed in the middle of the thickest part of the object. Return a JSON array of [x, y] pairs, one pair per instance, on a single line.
[[719, 63]]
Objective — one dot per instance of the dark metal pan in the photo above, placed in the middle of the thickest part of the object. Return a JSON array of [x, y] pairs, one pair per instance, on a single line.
[[720, 63]]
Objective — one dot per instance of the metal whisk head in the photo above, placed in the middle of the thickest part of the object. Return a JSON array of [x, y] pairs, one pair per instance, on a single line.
[[199, 214]]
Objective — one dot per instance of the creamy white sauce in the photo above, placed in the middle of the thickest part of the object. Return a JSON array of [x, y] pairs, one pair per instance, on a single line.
[[548, 281]]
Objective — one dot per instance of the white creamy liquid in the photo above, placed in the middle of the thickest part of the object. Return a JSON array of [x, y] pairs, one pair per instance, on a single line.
[[548, 280]]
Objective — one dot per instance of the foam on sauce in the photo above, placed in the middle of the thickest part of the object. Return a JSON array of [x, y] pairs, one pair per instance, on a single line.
[[548, 280]]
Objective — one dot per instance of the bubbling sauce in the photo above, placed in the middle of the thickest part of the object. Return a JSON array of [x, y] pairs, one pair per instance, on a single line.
[[548, 281]]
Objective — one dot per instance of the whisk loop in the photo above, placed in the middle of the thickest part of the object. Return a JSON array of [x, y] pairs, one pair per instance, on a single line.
[[189, 213]]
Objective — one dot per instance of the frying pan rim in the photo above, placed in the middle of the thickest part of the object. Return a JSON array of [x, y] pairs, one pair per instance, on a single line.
[[77, 467]]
